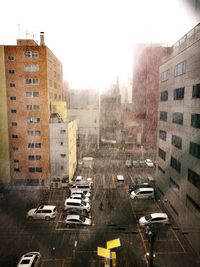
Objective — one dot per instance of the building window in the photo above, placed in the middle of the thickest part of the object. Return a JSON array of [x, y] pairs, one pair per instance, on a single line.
[[62, 131], [33, 133], [31, 68], [191, 204], [13, 111], [61, 143], [12, 85], [175, 164], [63, 155], [34, 145], [13, 98], [195, 120], [163, 115], [11, 58], [16, 170], [11, 71], [14, 123], [174, 185], [31, 54], [180, 68], [177, 141], [163, 135], [195, 150], [31, 80], [32, 94], [164, 96], [194, 178], [179, 93], [14, 148], [35, 169], [165, 75], [62, 168], [161, 154], [32, 107], [14, 136], [33, 120], [16, 161], [34, 157], [177, 117], [196, 91]]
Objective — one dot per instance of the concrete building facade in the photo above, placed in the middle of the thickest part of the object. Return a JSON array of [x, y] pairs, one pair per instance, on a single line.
[[178, 136], [31, 77]]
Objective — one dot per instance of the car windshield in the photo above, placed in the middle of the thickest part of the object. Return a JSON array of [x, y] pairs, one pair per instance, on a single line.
[[82, 218], [148, 217]]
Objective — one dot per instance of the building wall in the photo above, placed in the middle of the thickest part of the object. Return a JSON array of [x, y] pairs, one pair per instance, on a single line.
[[4, 144], [147, 59], [26, 101], [175, 182], [83, 99], [72, 141]]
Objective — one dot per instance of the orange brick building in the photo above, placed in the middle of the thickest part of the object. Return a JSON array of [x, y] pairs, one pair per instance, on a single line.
[[31, 79]]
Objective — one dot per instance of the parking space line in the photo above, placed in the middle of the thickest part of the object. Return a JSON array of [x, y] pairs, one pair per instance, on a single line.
[[58, 221], [143, 241], [104, 180], [132, 179], [178, 241], [94, 180], [169, 252], [113, 180]]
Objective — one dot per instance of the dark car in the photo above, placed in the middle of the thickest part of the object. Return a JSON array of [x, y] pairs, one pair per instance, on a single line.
[[74, 211]]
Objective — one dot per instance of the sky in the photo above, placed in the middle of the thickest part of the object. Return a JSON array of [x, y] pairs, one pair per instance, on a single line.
[[94, 39]]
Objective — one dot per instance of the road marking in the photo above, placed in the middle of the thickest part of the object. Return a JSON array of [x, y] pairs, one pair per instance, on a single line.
[[132, 179], [94, 181], [179, 241], [143, 242], [58, 221], [104, 180], [113, 181]]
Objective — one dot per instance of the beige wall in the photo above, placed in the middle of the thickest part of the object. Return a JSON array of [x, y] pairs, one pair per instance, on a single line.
[[72, 152]]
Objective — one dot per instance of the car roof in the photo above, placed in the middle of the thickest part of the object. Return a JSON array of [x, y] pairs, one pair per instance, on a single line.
[[154, 215], [46, 207], [76, 195], [145, 189], [72, 200], [70, 217], [28, 256]]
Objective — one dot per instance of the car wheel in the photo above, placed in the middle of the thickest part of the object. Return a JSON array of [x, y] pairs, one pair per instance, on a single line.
[[136, 198], [30, 218], [47, 218]]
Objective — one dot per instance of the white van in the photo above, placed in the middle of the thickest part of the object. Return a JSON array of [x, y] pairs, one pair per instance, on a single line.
[[76, 203], [81, 186], [142, 193]]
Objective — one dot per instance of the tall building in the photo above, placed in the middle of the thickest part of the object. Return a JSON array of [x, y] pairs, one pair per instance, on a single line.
[[178, 151], [147, 59], [84, 106], [30, 79]]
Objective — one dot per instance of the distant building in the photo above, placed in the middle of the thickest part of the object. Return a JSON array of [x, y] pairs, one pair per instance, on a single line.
[[111, 118], [147, 59], [178, 149], [84, 106], [31, 80]]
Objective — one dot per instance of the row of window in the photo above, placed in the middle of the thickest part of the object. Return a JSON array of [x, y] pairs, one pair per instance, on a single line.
[[176, 140], [30, 145], [179, 69], [177, 117], [34, 169], [30, 157], [27, 54], [27, 68], [194, 148], [179, 93]]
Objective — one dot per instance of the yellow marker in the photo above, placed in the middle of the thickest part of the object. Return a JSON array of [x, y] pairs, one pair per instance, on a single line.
[[103, 252], [113, 243]]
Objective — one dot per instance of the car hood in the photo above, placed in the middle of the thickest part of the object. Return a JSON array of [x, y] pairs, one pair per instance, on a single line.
[[88, 221], [31, 212], [142, 220]]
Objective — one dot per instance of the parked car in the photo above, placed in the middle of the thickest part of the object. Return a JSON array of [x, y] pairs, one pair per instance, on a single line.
[[77, 220], [128, 163], [30, 259], [142, 193], [83, 185], [43, 212], [76, 203], [79, 178], [133, 186], [149, 163], [136, 163], [81, 191], [80, 196], [142, 163], [89, 180], [74, 211], [154, 218], [120, 178]]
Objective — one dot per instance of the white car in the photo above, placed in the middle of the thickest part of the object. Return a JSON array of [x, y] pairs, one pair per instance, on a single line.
[[89, 180], [154, 218], [43, 212], [30, 259], [128, 163], [77, 220], [80, 191], [80, 196], [149, 163], [79, 178], [120, 178]]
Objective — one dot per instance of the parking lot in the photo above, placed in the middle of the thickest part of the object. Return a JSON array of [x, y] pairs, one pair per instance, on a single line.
[[63, 246]]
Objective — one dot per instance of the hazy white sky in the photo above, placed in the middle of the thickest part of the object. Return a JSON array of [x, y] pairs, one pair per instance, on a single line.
[[94, 38]]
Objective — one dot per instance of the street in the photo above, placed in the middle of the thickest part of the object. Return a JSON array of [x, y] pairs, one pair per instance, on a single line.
[[61, 246]]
